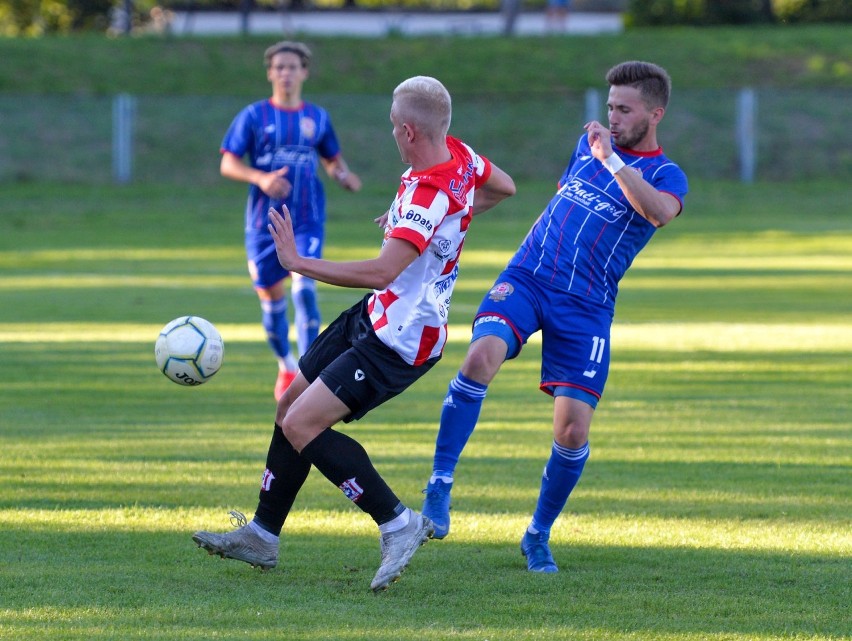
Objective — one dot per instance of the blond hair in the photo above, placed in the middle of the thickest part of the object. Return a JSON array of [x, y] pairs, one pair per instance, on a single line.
[[426, 103]]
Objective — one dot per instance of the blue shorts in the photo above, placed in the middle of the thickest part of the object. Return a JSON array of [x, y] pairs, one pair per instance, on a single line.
[[575, 334], [264, 268]]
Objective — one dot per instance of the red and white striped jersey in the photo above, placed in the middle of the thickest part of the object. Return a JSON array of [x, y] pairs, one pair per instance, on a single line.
[[432, 210]]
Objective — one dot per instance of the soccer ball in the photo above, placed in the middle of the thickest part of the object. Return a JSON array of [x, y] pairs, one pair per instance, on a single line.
[[189, 350]]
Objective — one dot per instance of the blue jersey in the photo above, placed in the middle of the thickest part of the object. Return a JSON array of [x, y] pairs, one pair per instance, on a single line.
[[273, 138], [589, 233]]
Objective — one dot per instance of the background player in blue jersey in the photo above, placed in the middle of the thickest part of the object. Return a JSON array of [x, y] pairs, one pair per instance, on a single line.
[[285, 139], [617, 190]]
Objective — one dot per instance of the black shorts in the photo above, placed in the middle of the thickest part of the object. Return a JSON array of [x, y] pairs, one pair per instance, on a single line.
[[356, 366]]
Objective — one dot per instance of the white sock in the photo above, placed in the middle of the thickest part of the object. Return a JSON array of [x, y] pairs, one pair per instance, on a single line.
[[396, 524], [290, 363], [269, 537], [441, 477]]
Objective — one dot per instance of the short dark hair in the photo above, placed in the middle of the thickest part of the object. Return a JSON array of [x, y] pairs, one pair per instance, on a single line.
[[651, 80], [286, 46]]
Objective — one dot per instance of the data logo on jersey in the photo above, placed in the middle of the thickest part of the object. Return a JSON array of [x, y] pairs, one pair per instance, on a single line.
[[593, 200]]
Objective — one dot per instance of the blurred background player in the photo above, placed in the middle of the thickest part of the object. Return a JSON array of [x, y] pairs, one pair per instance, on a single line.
[[285, 139], [617, 190], [556, 15]]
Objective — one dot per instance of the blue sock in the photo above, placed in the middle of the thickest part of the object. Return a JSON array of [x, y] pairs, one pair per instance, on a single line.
[[458, 418], [276, 325], [561, 474], [307, 315]]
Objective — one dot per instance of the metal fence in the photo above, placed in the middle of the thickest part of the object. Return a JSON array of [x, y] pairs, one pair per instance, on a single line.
[[795, 134]]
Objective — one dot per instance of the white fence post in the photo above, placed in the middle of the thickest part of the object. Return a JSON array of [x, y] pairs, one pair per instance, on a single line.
[[746, 142], [123, 124], [593, 104]]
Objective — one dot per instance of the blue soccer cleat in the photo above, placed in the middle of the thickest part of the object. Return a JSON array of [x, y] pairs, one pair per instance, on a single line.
[[436, 507], [537, 551]]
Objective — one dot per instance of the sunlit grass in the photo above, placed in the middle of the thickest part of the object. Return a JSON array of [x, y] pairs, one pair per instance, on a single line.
[[602, 531], [714, 507], [677, 337]]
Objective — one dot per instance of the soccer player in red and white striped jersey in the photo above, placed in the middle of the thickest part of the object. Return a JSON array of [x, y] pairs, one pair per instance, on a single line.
[[379, 347]]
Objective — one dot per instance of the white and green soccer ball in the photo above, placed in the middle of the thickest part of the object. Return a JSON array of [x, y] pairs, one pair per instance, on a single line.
[[189, 350]]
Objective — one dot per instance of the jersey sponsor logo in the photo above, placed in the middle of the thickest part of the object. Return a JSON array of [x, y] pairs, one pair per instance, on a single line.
[[352, 490], [593, 199], [501, 291], [445, 283], [292, 156], [266, 481], [458, 186], [418, 219]]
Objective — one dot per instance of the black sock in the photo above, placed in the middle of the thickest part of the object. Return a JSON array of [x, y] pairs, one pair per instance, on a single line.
[[286, 471], [344, 462]]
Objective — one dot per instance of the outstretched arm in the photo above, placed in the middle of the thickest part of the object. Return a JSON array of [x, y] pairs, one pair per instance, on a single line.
[[375, 273]]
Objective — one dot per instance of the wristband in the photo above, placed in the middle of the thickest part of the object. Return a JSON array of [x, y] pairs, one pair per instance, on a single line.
[[613, 163]]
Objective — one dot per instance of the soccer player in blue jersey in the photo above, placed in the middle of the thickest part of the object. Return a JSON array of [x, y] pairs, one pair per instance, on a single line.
[[617, 190], [285, 139]]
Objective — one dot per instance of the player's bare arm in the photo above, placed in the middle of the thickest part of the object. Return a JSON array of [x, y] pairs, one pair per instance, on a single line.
[[374, 273], [339, 171], [497, 188], [656, 207], [272, 183]]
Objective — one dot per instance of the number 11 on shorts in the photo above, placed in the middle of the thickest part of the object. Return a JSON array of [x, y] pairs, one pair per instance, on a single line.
[[595, 358]]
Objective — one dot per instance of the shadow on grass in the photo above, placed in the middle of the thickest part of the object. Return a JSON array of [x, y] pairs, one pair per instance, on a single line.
[[159, 586]]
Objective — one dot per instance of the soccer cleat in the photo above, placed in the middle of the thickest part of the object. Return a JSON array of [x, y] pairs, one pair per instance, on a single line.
[[283, 382], [436, 506], [398, 548], [242, 544], [537, 551]]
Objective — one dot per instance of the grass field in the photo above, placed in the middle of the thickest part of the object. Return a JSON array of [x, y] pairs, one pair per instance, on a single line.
[[715, 505]]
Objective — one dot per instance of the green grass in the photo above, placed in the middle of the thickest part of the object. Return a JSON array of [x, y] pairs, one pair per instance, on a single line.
[[715, 505]]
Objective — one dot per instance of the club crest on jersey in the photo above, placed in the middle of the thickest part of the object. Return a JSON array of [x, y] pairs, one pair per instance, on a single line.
[[445, 247], [351, 489], [501, 291], [308, 127]]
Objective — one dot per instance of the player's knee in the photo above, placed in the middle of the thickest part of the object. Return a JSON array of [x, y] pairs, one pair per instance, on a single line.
[[484, 359], [573, 434], [295, 431]]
